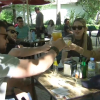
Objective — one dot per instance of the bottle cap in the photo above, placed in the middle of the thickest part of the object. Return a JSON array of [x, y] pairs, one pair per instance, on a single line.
[[55, 62], [92, 59]]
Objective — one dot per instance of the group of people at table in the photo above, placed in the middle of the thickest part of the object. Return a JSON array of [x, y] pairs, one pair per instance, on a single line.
[[11, 67]]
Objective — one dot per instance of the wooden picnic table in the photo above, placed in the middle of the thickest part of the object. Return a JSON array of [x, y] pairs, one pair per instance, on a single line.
[[75, 91]]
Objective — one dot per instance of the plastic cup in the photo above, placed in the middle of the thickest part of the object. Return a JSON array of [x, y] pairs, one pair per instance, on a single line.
[[56, 35]]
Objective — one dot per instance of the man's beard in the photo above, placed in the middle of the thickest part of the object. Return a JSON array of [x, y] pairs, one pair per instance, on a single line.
[[11, 41], [2, 51]]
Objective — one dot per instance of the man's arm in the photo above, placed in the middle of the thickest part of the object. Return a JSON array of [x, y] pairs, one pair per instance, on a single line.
[[28, 68], [28, 51], [68, 31]]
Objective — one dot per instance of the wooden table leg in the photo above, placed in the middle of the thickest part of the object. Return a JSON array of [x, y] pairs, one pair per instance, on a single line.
[[33, 88], [50, 97]]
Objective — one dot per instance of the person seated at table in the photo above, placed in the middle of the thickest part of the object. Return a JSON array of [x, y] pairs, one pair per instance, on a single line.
[[12, 36], [81, 38], [50, 27], [12, 67], [22, 29], [67, 28]]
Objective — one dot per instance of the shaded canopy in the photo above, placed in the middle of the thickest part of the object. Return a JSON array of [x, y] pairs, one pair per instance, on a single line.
[[2, 4], [31, 2]]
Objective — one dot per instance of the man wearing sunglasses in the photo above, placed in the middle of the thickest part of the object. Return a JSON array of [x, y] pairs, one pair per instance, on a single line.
[[12, 67], [22, 29]]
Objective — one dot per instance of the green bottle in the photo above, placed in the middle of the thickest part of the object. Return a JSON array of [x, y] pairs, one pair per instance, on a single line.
[[84, 68]]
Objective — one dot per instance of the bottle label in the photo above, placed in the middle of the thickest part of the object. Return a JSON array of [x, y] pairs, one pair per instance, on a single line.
[[91, 69], [55, 63]]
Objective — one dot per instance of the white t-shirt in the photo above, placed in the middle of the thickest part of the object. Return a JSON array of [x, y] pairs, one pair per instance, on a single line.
[[7, 66], [50, 29]]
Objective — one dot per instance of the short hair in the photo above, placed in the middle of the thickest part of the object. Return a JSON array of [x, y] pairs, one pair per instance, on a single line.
[[9, 24], [37, 8], [2, 24], [66, 20], [19, 18]]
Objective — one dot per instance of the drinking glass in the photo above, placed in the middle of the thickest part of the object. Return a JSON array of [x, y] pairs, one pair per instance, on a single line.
[[67, 40], [56, 35], [55, 70]]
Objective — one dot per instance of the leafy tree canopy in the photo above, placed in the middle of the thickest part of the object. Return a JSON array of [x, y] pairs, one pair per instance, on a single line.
[[91, 7]]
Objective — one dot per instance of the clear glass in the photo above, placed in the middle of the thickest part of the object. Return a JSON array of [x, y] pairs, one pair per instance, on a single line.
[[56, 35], [55, 70], [67, 40]]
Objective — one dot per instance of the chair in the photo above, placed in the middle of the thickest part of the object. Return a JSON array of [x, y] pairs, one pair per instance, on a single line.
[[90, 29], [97, 37]]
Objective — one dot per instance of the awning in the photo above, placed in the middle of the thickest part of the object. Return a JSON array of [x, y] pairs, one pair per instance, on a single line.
[[31, 2]]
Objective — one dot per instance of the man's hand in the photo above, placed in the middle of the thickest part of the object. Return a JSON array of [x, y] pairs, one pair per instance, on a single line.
[[72, 46], [60, 44], [45, 47]]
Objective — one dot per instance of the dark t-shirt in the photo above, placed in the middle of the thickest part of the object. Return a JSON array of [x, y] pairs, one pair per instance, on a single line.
[[73, 53], [66, 27]]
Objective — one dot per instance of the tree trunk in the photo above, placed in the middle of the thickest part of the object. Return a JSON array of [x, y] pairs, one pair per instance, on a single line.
[[14, 14]]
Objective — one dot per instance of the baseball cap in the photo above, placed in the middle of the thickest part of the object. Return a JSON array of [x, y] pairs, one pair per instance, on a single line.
[[93, 83]]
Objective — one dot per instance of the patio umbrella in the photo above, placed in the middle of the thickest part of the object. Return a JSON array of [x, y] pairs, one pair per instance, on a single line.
[[31, 2]]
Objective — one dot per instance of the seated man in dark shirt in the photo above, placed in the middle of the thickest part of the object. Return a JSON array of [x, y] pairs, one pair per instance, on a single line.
[[67, 28]]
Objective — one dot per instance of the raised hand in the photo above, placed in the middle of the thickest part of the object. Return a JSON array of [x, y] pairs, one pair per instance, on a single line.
[[72, 46]]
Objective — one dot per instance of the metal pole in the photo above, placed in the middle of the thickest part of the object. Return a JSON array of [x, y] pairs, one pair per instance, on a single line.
[[27, 12], [24, 11]]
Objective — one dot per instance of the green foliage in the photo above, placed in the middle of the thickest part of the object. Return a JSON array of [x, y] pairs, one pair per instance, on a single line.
[[91, 7], [59, 27], [46, 22], [7, 15], [73, 15]]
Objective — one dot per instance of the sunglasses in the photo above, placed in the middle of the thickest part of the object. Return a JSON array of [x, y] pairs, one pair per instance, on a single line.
[[6, 35], [77, 27], [13, 31]]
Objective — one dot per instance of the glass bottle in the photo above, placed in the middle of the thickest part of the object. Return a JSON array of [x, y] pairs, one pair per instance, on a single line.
[[55, 69], [84, 68], [91, 68], [78, 73]]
